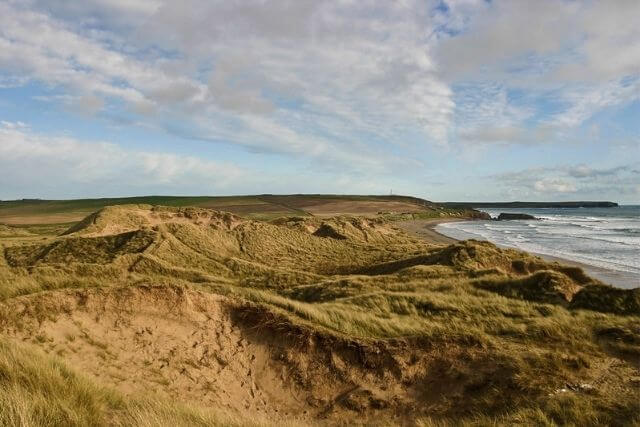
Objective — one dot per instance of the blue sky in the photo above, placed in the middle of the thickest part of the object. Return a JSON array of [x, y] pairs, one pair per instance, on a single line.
[[447, 100]]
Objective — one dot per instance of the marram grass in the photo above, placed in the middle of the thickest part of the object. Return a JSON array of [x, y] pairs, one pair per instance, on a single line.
[[521, 328]]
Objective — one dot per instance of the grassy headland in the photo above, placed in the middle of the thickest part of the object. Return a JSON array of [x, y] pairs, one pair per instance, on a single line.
[[265, 206]]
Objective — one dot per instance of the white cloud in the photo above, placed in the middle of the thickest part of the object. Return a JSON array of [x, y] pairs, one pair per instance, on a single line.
[[554, 185], [597, 40], [575, 181], [325, 68], [349, 89], [585, 55], [586, 101], [42, 165], [508, 135], [33, 163], [12, 125], [332, 71]]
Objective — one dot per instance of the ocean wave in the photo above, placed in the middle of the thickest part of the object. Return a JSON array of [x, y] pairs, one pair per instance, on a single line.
[[631, 239], [573, 219], [628, 241], [627, 230], [628, 265], [612, 245]]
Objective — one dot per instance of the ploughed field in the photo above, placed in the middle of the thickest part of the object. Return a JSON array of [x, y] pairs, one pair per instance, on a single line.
[[150, 315], [264, 207]]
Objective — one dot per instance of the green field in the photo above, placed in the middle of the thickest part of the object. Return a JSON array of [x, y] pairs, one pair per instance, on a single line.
[[35, 211]]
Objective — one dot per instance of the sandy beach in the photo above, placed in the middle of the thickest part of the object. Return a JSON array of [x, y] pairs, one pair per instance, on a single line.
[[426, 229]]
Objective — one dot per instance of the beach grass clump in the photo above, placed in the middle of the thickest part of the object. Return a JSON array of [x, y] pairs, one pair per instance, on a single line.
[[95, 250], [604, 298], [11, 231], [542, 286]]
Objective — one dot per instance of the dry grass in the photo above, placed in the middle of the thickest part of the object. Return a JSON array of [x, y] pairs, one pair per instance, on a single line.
[[40, 390], [501, 333]]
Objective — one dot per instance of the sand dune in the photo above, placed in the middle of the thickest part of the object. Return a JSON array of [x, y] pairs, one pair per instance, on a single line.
[[319, 320]]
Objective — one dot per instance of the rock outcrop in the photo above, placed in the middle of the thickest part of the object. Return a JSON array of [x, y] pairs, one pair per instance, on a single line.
[[514, 216]]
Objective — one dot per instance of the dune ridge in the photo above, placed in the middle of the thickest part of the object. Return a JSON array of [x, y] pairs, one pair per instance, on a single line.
[[312, 320]]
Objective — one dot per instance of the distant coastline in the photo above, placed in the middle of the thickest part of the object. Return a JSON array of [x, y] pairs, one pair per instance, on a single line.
[[580, 204]]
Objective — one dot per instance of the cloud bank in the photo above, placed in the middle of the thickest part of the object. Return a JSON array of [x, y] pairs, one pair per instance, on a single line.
[[369, 90]]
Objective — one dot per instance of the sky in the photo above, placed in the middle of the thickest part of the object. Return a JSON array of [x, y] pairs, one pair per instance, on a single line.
[[460, 100]]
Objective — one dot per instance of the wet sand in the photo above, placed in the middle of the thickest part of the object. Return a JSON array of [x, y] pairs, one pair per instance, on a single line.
[[426, 230]]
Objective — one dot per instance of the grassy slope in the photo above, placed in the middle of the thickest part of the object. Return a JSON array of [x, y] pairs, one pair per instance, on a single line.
[[508, 329], [37, 389]]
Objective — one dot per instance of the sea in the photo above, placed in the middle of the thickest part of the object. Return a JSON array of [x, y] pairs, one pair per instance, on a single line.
[[605, 240]]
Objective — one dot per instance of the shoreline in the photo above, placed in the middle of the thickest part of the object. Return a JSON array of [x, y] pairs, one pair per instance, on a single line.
[[426, 230]]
